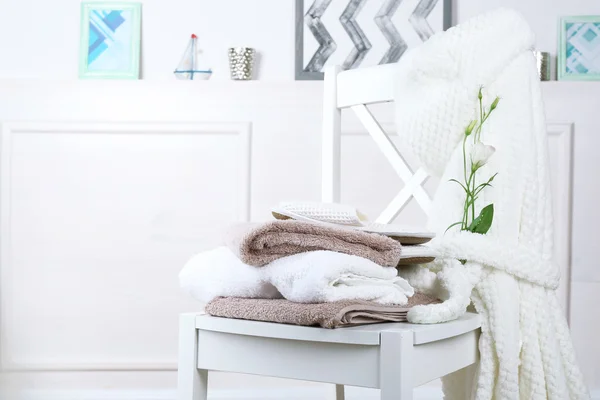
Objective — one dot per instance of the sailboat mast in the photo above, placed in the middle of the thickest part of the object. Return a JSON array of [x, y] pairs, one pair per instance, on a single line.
[[194, 37]]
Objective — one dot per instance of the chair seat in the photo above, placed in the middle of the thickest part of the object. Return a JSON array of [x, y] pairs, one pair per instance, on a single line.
[[363, 335]]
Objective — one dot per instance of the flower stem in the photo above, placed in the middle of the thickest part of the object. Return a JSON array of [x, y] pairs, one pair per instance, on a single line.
[[473, 195], [478, 133], [464, 158], [465, 212], [470, 198]]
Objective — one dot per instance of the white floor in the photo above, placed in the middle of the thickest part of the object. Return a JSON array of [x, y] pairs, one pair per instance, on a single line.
[[428, 393], [298, 393]]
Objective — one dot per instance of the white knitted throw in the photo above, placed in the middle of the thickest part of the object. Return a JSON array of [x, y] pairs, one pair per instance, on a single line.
[[525, 345]]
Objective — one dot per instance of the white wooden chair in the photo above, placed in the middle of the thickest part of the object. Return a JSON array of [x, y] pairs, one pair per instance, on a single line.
[[394, 357]]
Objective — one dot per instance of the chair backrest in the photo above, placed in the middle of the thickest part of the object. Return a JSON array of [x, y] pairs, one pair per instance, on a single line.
[[355, 89]]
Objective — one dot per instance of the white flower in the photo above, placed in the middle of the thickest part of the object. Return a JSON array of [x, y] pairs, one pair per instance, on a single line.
[[480, 154]]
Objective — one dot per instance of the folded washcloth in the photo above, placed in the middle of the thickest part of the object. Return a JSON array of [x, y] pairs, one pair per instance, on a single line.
[[311, 277], [259, 244], [328, 315]]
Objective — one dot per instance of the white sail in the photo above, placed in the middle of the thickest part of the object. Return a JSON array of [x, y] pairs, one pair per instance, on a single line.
[[191, 66]]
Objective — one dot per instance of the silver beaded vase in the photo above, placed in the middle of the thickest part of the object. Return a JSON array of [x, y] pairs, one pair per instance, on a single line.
[[241, 63]]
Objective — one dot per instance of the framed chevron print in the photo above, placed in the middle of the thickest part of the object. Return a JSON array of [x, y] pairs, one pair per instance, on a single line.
[[110, 40], [579, 48], [355, 33]]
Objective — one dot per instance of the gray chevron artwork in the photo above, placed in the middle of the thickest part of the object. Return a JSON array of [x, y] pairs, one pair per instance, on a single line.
[[353, 33]]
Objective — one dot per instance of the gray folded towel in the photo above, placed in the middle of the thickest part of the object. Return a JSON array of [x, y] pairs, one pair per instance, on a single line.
[[327, 315], [259, 244]]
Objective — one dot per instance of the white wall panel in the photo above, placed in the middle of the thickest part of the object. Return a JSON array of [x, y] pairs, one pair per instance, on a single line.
[[560, 152], [97, 219], [585, 325]]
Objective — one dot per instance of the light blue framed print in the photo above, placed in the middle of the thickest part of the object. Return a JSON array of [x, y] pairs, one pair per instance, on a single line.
[[110, 40], [579, 48]]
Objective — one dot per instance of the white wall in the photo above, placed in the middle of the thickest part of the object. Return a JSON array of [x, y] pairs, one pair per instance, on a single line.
[[97, 217], [542, 15], [39, 39]]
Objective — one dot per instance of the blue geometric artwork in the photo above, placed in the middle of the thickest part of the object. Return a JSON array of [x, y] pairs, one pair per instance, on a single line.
[[582, 48], [110, 40], [108, 29]]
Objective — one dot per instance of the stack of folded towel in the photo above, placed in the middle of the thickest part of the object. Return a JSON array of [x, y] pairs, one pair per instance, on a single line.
[[305, 273]]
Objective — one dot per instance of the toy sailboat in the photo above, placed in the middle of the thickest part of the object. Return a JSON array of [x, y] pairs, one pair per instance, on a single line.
[[190, 67]]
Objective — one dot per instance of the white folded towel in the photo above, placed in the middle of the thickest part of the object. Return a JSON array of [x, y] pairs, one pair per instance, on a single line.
[[325, 276], [311, 277], [219, 272]]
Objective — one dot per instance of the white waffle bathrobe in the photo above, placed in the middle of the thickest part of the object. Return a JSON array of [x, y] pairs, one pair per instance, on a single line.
[[526, 350]]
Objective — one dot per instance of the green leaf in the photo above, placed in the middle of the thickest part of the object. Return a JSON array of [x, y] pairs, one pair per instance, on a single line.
[[463, 186], [454, 224], [482, 185], [483, 222]]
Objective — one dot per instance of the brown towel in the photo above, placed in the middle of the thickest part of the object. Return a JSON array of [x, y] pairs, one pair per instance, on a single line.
[[259, 244], [328, 315]]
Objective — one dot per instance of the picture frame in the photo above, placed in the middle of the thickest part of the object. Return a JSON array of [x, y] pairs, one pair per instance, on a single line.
[[110, 40], [357, 33], [578, 55]]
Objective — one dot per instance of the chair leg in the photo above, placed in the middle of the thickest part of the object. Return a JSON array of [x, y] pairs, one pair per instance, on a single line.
[[396, 353], [339, 392], [192, 383]]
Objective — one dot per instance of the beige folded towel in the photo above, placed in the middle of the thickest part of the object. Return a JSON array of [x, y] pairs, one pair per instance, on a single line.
[[328, 315], [259, 244]]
